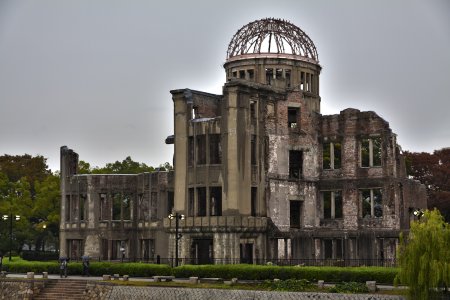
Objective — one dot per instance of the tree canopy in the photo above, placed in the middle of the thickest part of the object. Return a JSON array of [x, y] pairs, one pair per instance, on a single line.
[[433, 170], [424, 256], [126, 166]]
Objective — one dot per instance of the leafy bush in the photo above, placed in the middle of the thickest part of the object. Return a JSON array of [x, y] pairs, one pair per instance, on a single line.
[[349, 287], [255, 272], [291, 285]]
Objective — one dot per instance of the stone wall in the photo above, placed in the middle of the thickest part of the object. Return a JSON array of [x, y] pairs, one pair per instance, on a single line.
[[20, 289]]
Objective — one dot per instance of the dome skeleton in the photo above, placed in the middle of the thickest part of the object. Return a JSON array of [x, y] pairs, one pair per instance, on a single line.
[[250, 38]]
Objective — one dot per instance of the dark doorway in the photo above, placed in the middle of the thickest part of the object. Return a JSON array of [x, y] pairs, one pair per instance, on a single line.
[[202, 251], [246, 253]]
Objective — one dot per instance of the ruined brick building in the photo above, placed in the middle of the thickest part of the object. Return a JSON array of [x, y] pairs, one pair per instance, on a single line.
[[259, 173]]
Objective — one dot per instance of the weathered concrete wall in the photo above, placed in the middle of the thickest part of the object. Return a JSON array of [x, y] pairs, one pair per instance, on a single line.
[[20, 289]]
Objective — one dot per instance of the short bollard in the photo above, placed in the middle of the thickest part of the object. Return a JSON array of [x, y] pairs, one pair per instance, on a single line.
[[372, 286], [30, 275], [3, 274], [106, 277], [116, 276], [193, 280], [234, 280], [320, 284], [125, 277], [45, 275]]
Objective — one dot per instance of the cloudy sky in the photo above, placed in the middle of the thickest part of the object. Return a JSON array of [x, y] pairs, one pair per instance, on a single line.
[[95, 75]]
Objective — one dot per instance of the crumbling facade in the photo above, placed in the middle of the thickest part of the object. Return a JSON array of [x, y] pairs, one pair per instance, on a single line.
[[113, 217], [260, 175]]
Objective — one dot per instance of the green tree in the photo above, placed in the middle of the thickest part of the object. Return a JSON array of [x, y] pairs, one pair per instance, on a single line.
[[127, 166], [424, 257]]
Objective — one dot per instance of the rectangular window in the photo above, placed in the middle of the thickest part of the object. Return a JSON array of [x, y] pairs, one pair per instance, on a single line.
[[269, 76], [201, 202], [331, 155], [190, 151], [170, 202], [68, 208], [288, 78], [254, 199], [293, 114], [332, 204], [154, 206], [117, 202], [105, 211], [370, 152], [201, 149], [328, 249], [251, 74], [215, 203], [191, 202], [242, 74], [372, 204], [147, 249], [295, 164], [126, 207], [253, 150], [295, 213], [144, 207], [215, 149], [82, 199]]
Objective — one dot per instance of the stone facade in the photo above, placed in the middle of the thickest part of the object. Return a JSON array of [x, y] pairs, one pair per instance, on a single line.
[[260, 174], [113, 217]]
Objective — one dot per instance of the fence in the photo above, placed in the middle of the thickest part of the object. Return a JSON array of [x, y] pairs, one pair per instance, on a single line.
[[277, 262]]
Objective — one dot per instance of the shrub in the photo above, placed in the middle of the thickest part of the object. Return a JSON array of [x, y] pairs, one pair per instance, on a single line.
[[349, 287], [291, 285]]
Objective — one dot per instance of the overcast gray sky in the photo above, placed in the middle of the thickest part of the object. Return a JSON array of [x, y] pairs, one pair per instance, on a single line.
[[95, 75]]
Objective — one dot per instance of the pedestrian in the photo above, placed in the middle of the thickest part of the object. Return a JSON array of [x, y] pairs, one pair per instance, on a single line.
[[85, 260], [63, 267]]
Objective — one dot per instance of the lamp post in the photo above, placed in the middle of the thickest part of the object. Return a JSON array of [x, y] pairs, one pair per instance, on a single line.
[[178, 236], [10, 217]]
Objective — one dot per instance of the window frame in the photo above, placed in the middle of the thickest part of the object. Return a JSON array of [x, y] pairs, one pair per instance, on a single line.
[[334, 194], [373, 202], [375, 152]]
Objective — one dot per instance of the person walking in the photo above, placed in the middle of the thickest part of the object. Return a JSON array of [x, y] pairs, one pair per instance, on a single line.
[[85, 260], [63, 267]]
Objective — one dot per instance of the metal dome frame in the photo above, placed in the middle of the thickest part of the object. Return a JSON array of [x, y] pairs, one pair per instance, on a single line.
[[285, 35]]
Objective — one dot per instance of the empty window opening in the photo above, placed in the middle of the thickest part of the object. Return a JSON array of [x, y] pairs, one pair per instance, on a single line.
[[253, 150], [242, 74], [170, 202], [288, 78], [370, 152], [190, 151], [75, 249], [154, 206], [246, 253], [194, 112], [331, 155], [328, 249], [372, 203], [253, 110], [269, 76], [119, 249], [235, 74], [68, 208], [202, 251], [332, 204], [144, 208], [295, 213], [302, 81], [201, 202], [215, 149], [293, 114], [333, 249], [191, 202], [279, 73], [251, 74], [295, 164], [82, 199], [117, 202], [105, 210], [215, 204], [311, 83], [253, 199], [147, 249], [126, 207], [201, 149]]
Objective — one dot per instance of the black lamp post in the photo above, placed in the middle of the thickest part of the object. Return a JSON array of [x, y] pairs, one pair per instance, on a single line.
[[10, 217], [178, 236]]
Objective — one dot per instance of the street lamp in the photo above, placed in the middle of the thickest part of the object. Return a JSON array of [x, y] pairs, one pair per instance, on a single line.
[[178, 235], [10, 217]]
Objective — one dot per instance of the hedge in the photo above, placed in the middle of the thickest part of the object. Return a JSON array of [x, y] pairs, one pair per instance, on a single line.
[[254, 272], [96, 268]]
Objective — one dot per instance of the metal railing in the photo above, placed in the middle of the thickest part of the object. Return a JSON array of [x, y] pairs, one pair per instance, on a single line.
[[275, 262]]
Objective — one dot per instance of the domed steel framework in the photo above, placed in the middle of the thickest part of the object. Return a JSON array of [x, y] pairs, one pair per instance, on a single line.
[[271, 36]]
